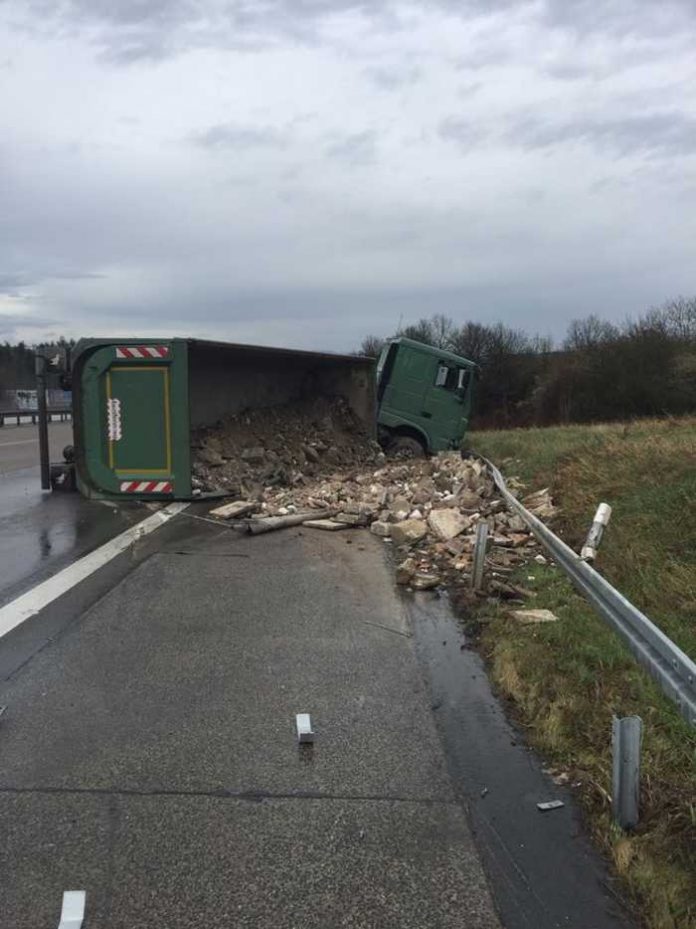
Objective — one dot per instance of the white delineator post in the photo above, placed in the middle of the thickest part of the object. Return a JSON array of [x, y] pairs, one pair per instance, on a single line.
[[594, 536]]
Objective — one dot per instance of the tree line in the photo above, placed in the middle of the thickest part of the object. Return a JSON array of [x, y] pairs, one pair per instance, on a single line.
[[17, 363], [602, 371]]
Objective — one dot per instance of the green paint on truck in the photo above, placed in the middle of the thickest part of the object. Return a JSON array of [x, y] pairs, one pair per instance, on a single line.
[[423, 394], [137, 403]]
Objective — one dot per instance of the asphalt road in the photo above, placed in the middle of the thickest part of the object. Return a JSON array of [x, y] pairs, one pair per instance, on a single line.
[[42, 531], [149, 756], [19, 445]]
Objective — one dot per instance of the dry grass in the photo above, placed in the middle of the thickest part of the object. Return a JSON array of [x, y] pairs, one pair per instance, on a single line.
[[568, 678]]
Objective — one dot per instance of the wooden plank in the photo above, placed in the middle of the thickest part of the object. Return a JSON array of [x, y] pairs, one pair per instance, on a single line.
[[236, 509]]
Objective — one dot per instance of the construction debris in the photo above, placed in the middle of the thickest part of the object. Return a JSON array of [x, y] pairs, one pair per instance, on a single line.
[[547, 805], [408, 531], [234, 510], [540, 504], [329, 525], [303, 724], [448, 523], [406, 571], [533, 616], [381, 529], [428, 509], [279, 446], [271, 523], [423, 581]]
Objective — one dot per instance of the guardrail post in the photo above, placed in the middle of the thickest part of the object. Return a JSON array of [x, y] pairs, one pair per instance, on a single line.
[[479, 554], [626, 738], [594, 536], [44, 454]]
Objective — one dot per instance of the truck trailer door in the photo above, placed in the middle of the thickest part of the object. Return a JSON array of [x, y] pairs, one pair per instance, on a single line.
[[132, 420]]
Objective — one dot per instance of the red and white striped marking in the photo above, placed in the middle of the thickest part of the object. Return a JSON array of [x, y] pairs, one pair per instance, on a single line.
[[142, 351], [146, 487]]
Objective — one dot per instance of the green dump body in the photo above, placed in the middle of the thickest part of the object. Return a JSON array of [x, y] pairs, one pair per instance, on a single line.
[[136, 402], [426, 393]]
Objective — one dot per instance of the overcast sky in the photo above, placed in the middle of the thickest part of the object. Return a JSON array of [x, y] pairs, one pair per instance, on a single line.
[[302, 172]]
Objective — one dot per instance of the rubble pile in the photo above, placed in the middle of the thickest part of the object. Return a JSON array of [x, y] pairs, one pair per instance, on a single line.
[[426, 509], [279, 446]]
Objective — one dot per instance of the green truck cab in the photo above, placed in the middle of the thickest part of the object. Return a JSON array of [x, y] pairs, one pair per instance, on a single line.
[[424, 397]]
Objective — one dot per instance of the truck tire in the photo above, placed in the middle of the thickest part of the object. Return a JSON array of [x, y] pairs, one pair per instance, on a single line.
[[405, 446]]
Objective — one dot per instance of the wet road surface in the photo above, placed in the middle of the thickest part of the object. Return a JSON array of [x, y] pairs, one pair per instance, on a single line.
[[542, 866], [43, 531], [149, 753], [19, 445]]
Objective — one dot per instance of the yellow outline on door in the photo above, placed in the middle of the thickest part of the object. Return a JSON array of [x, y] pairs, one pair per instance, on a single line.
[[162, 472]]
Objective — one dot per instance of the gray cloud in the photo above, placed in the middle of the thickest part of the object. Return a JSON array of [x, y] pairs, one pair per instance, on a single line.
[[116, 216], [131, 31], [12, 283], [357, 148], [395, 77], [13, 323], [568, 71], [660, 133], [232, 136], [465, 133], [620, 17]]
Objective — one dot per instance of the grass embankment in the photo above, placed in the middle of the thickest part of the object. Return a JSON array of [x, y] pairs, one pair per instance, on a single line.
[[568, 678]]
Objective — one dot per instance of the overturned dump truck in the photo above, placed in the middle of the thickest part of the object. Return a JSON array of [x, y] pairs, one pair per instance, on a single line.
[[139, 406], [177, 418]]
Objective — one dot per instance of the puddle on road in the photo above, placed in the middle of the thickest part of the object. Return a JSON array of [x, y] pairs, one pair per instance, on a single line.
[[543, 870], [42, 531]]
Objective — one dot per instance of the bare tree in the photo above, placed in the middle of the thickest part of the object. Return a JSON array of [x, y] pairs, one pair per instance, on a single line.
[[472, 340], [675, 318], [422, 331], [371, 346], [588, 333], [443, 331]]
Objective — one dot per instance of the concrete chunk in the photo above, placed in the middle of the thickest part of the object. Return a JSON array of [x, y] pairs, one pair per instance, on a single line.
[[405, 571], [330, 525], [233, 510], [380, 528], [256, 453], [408, 532], [447, 523], [533, 616], [424, 581], [352, 519]]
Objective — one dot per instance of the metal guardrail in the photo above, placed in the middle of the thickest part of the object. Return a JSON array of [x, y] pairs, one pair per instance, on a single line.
[[672, 668], [65, 413]]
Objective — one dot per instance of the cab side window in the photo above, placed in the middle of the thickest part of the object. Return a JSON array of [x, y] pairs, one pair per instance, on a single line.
[[441, 376], [463, 376], [447, 377]]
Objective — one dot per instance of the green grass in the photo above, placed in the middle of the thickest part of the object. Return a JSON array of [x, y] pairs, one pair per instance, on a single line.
[[568, 678]]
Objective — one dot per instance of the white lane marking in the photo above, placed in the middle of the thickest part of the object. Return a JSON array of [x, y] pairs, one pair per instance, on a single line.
[[73, 910], [34, 600], [23, 442]]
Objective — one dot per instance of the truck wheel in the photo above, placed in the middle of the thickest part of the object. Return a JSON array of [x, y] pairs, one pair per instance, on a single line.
[[405, 446]]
